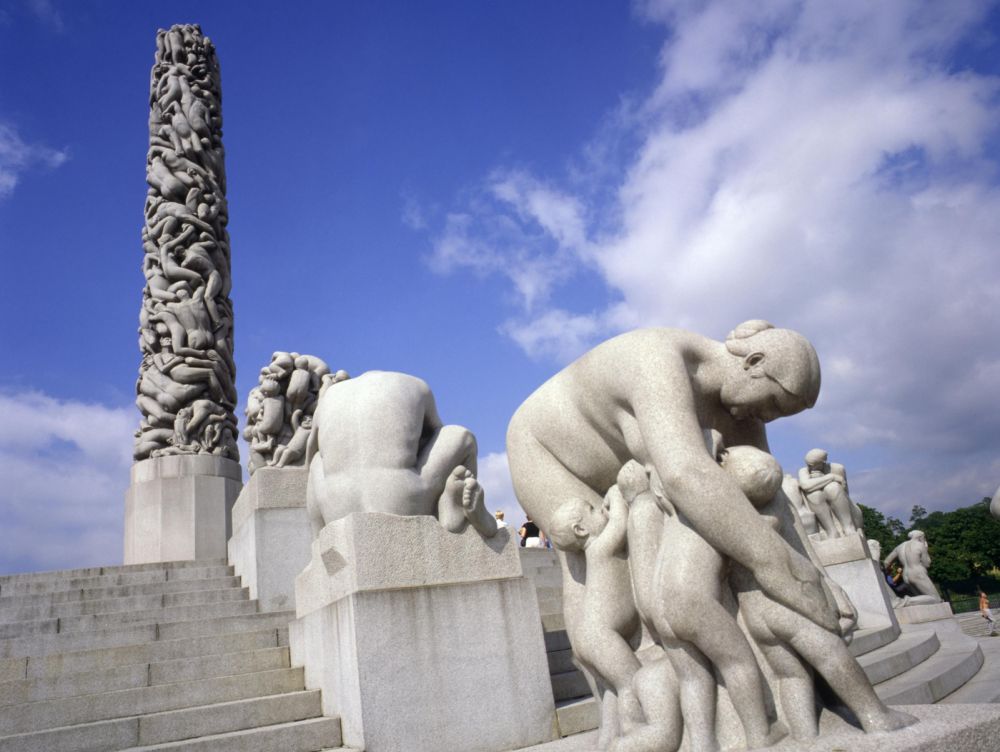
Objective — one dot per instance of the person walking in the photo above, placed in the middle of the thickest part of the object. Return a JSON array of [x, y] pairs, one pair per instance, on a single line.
[[984, 609]]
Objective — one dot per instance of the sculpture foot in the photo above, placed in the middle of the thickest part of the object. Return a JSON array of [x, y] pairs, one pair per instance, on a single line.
[[888, 720], [474, 505]]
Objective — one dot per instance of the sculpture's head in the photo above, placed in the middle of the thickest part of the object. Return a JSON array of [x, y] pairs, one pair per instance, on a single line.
[[574, 523], [816, 458], [776, 373], [632, 480], [758, 474], [917, 535]]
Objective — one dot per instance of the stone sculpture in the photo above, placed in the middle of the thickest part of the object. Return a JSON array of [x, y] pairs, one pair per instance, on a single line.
[[280, 408], [876, 550], [378, 445], [823, 486], [915, 558], [185, 388], [655, 396], [995, 504]]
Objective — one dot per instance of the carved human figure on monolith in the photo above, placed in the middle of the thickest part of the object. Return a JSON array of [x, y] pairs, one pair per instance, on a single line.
[[186, 316], [378, 445], [915, 558], [824, 486]]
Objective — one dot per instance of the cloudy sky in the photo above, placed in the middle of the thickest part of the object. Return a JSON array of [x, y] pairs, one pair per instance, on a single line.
[[476, 193]]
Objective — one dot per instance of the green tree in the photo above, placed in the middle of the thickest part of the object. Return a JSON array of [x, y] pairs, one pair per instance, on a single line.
[[888, 531], [917, 514], [964, 543]]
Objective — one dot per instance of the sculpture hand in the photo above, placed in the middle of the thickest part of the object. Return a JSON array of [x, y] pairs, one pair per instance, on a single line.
[[797, 583]]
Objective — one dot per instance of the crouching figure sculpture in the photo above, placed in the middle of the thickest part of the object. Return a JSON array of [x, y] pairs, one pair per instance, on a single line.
[[378, 445]]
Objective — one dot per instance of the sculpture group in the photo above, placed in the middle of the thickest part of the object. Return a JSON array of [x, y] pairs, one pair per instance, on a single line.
[[185, 389], [666, 533]]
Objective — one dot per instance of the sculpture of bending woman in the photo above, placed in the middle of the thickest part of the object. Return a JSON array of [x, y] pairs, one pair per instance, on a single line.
[[378, 445], [648, 394]]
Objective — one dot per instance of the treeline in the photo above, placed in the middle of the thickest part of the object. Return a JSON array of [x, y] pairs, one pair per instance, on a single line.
[[964, 543]]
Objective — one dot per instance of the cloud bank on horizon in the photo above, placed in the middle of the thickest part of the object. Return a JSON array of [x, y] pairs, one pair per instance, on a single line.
[[828, 166]]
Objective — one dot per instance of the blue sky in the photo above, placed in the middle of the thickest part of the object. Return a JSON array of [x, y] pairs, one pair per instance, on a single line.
[[477, 192]]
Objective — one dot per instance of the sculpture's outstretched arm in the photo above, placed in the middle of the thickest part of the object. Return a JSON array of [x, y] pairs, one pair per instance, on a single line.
[[665, 409]]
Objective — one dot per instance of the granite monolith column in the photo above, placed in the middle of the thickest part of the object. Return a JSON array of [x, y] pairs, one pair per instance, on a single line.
[[186, 474]]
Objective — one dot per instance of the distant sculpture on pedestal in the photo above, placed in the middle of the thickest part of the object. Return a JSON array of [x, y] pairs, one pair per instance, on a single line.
[[915, 558], [995, 504], [185, 388], [279, 409], [378, 445], [824, 488], [651, 396]]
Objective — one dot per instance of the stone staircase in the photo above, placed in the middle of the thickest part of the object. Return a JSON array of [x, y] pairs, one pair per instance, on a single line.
[[170, 656], [974, 625], [916, 664]]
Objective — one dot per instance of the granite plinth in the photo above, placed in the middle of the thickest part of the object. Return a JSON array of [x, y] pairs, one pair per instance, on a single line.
[[178, 508], [919, 613], [271, 535], [942, 728], [848, 562], [421, 639]]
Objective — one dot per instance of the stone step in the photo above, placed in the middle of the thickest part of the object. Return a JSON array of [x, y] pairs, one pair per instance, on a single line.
[[97, 622], [311, 735], [68, 711], [47, 610], [974, 625], [47, 644], [98, 659], [171, 725], [866, 640], [134, 675], [954, 663], [577, 716], [28, 587], [553, 622], [902, 654], [556, 639], [63, 574], [119, 591], [560, 660], [569, 685]]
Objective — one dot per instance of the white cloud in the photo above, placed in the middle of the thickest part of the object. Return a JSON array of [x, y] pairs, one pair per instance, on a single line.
[[822, 165], [64, 468], [18, 156]]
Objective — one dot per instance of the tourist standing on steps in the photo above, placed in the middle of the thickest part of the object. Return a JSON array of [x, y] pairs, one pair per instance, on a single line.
[[984, 609], [530, 535]]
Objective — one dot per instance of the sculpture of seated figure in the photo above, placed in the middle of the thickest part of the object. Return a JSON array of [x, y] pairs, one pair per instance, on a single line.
[[378, 445], [791, 644], [824, 486], [915, 558]]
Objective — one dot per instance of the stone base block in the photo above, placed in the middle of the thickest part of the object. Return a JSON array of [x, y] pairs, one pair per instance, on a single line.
[[923, 612], [848, 562], [271, 535], [942, 728], [421, 639], [178, 508]]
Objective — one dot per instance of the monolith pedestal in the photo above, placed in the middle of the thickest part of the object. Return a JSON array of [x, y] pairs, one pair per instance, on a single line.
[[420, 639], [178, 507]]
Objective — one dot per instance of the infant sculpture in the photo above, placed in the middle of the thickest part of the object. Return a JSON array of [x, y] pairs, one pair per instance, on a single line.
[[378, 445], [624, 450]]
